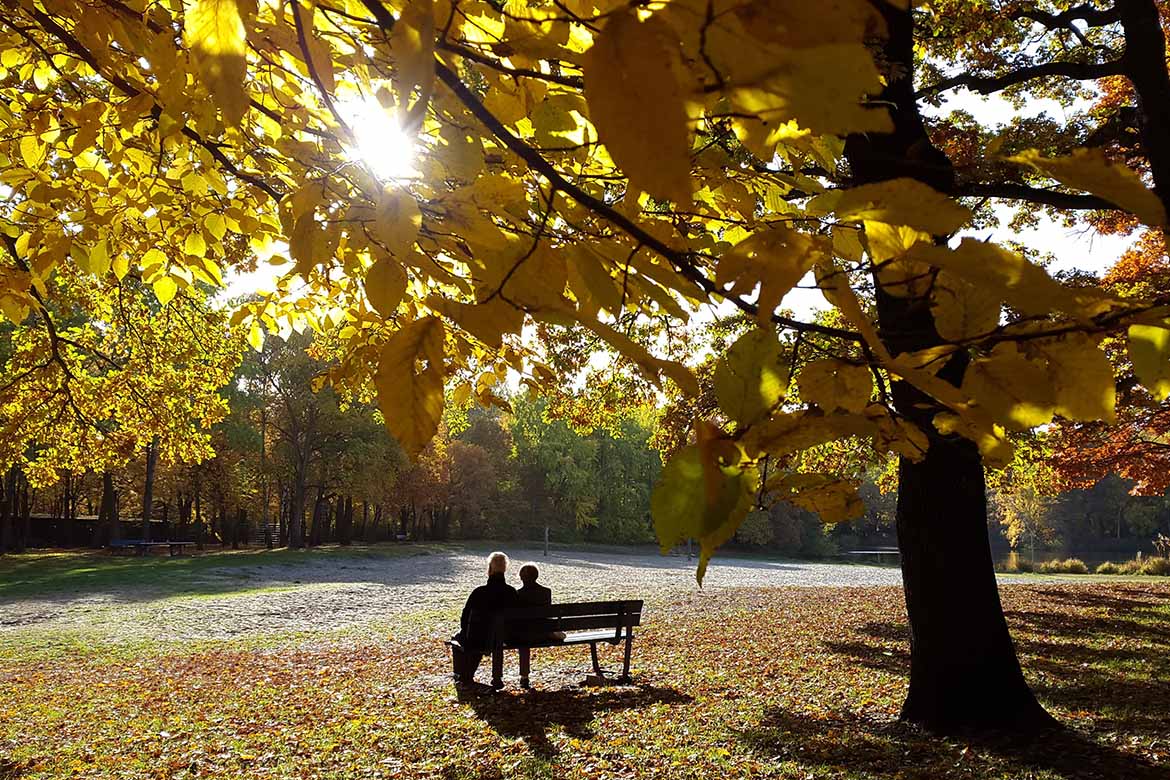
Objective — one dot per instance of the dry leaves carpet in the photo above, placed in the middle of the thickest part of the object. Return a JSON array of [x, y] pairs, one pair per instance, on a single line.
[[776, 683]]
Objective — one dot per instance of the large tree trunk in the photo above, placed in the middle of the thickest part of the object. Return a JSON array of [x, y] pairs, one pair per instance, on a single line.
[[296, 511], [107, 512], [148, 489], [963, 670], [8, 510]]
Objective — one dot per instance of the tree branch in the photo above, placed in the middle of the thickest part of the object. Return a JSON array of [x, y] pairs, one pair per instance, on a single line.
[[985, 85], [1039, 195]]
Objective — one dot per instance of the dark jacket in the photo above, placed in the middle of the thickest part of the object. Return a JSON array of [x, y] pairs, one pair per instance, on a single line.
[[483, 602], [534, 594]]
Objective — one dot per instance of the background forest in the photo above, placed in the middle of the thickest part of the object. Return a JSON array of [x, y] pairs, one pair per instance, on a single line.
[[505, 465]]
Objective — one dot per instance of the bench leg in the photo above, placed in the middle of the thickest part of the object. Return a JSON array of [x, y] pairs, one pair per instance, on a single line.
[[626, 661], [498, 667], [593, 655], [525, 665]]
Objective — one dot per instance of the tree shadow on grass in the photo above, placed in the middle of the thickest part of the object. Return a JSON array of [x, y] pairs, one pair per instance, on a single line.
[[881, 749], [529, 715]]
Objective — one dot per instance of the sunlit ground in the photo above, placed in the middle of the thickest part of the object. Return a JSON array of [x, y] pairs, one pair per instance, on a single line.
[[738, 682]]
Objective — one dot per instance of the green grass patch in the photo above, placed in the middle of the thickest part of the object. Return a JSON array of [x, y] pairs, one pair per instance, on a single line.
[[209, 573]]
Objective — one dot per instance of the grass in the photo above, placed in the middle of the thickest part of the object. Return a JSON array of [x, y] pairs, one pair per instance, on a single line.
[[212, 573], [749, 683]]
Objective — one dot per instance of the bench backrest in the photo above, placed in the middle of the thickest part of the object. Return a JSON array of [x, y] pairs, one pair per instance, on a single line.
[[580, 616]]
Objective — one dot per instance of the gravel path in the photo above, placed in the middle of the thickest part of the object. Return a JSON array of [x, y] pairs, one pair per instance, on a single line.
[[320, 595]]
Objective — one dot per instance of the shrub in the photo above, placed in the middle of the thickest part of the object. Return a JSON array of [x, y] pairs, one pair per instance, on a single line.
[[1109, 567], [756, 529], [1131, 567], [1158, 567], [1067, 566], [1024, 565]]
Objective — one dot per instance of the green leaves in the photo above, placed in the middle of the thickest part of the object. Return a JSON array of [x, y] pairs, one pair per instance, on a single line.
[[409, 381], [1149, 351], [751, 378], [636, 103], [214, 31], [704, 492]]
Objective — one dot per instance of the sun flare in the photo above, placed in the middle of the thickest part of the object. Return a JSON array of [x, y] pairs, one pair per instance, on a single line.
[[381, 143]]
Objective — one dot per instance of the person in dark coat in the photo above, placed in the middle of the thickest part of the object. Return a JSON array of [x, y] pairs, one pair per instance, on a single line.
[[475, 622], [533, 594]]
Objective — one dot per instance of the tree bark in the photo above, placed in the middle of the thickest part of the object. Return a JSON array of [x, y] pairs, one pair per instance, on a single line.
[[108, 512], [148, 489], [8, 511], [963, 670], [296, 511]]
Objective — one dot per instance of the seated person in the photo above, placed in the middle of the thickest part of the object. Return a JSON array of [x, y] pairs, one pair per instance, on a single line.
[[533, 594], [475, 622]]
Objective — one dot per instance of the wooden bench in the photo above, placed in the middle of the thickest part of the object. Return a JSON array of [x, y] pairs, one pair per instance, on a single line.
[[525, 628], [142, 547]]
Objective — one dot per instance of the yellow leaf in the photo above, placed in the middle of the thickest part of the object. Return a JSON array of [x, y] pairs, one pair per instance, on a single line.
[[215, 225], [1149, 351], [31, 151], [1082, 378], [412, 44], [256, 336], [962, 310], [775, 259], [834, 384], [1014, 390], [1090, 170], [1019, 282], [194, 245], [385, 285], [321, 58], [396, 222], [488, 322], [214, 32], [636, 103], [989, 437], [789, 432], [164, 289], [833, 499], [751, 378], [906, 202], [409, 381]]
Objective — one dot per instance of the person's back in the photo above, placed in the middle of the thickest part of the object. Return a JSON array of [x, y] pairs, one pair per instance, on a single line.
[[475, 622], [482, 604], [533, 594]]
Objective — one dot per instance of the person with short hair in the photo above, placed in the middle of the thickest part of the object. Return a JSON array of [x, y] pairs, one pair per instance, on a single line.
[[475, 622], [533, 594]]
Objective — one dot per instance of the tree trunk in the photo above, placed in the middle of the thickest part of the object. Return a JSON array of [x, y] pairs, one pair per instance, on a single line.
[[296, 511], [148, 489], [8, 511], [198, 515], [963, 669], [108, 512]]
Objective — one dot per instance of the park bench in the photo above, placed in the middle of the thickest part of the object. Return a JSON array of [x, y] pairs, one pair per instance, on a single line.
[[526, 628], [142, 547]]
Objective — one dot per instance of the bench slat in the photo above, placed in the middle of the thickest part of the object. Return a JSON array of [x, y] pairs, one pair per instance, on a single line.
[[572, 610]]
